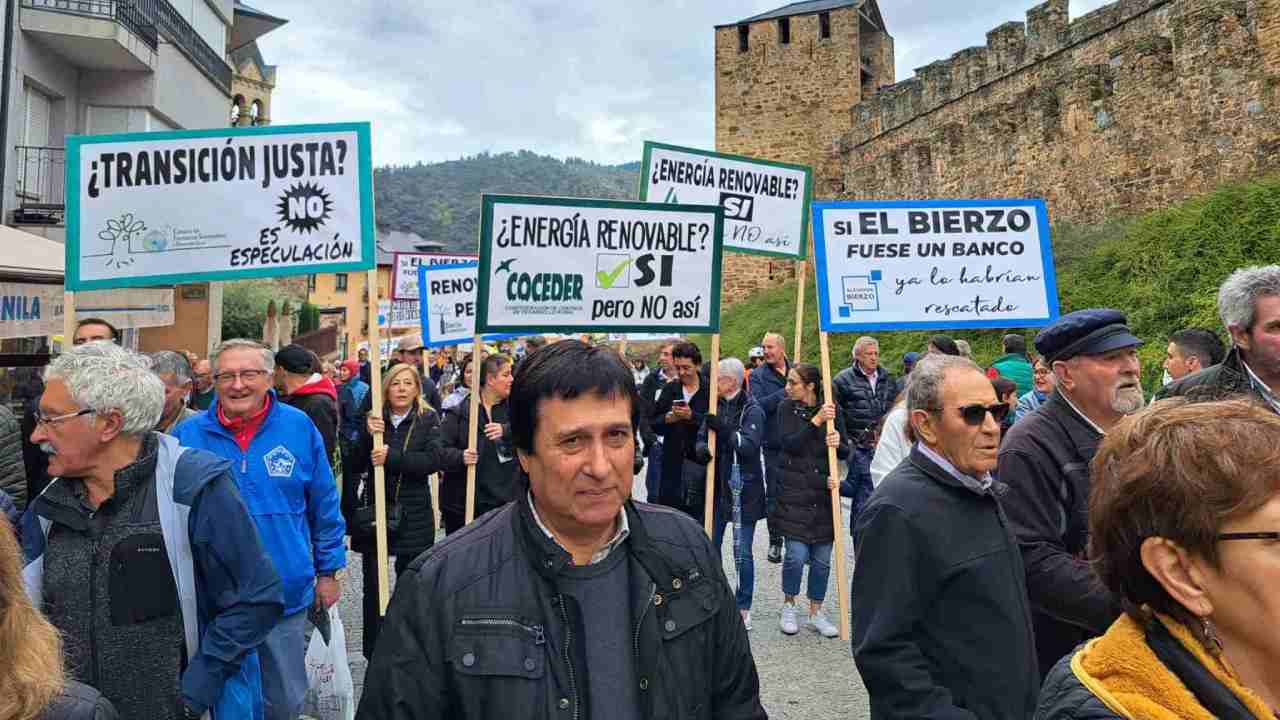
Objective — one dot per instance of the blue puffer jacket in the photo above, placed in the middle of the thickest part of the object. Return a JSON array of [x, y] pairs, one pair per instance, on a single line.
[[768, 389], [286, 482]]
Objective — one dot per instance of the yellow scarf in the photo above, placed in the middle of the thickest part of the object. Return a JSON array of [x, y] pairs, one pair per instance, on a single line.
[[1125, 674]]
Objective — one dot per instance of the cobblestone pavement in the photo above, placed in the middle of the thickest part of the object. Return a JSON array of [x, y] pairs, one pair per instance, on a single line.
[[802, 677]]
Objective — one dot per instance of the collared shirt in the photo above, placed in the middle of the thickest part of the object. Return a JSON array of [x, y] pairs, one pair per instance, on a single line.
[[873, 377], [624, 530], [1261, 388], [1086, 418], [978, 485]]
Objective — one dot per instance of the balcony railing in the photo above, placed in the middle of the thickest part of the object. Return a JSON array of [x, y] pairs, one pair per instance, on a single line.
[[125, 12], [146, 19], [40, 183]]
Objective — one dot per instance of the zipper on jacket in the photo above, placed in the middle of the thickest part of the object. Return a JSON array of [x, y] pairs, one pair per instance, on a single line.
[[539, 636], [653, 591], [93, 610], [568, 660]]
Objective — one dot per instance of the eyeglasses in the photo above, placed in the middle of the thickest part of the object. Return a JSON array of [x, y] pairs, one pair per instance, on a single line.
[[46, 420], [1041, 371], [974, 415], [1249, 536], [246, 376]]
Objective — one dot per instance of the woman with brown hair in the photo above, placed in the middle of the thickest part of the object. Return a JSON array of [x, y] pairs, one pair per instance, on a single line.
[[32, 683], [1184, 521], [410, 455]]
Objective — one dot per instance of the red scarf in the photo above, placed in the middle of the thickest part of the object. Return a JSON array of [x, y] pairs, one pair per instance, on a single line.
[[244, 428]]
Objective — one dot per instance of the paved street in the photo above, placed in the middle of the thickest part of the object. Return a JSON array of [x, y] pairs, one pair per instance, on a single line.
[[802, 677]]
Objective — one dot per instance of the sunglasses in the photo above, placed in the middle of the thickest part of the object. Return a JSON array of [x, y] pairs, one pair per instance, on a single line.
[[974, 415]]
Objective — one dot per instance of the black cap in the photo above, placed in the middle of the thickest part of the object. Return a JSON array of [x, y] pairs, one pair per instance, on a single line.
[[1085, 332], [294, 359]]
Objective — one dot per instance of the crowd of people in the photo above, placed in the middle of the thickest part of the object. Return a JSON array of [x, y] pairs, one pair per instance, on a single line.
[[1034, 538]]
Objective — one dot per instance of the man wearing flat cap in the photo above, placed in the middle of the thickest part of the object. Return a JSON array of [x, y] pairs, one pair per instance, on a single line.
[[1045, 463], [300, 383]]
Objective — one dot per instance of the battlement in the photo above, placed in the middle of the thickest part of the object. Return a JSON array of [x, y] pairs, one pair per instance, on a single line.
[[1011, 48]]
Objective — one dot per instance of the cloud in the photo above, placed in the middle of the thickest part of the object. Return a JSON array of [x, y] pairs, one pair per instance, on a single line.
[[590, 80]]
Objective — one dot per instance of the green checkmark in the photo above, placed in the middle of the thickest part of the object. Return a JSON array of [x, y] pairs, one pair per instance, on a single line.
[[607, 279]]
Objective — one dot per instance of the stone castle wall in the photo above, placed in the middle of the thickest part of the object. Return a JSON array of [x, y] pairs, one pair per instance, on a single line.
[[1131, 107]]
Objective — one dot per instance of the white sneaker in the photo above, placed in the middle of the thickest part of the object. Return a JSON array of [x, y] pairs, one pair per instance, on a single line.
[[788, 623], [821, 625], [746, 619]]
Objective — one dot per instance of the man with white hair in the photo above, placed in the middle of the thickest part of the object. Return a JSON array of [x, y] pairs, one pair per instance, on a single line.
[[280, 465], [1249, 305], [174, 370], [864, 392], [140, 551], [739, 429]]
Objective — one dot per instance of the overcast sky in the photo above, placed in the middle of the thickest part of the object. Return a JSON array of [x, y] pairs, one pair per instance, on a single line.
[[585, 79]]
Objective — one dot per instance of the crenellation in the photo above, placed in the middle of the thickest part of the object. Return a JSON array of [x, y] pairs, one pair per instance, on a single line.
[[1008, 46], [1047, 28]]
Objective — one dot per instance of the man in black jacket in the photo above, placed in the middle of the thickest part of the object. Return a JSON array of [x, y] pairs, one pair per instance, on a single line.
[[942, 623], [573, 602], [864, 391], [1249, 304], [768, 387], [1045, 462], [653, 384], [301, 385], [677, 415]]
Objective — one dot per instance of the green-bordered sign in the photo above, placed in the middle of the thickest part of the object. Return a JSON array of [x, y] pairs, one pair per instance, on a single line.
[[766, 204], [568, 265], [172, 207]]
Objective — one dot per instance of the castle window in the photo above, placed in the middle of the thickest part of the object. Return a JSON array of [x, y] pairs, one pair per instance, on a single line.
[[784, 31], [340, 282], [824, 26], [744, 32]]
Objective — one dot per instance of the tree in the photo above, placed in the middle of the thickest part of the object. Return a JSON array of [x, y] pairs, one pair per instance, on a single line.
[[244, 307]]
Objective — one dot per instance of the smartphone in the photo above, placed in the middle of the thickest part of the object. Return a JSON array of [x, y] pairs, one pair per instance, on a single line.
[[680, 403]]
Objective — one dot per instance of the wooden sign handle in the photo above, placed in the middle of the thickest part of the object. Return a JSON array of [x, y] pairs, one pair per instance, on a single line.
[[801, 277], [477, 356], [709, 502], [842, 583], [379, 472]]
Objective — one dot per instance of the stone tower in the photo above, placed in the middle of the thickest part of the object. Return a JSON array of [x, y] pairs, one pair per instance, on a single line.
[[786, 84]]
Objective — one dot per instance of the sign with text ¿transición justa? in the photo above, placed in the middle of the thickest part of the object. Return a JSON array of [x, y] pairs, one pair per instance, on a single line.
[[570, 265], [448, 294], [766, 204], [404, 268], [227, 204], [936, 264]]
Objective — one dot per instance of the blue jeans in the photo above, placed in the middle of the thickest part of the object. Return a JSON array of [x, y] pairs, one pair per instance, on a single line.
[[653, 473], [818, 555], [284, 667], [858, 481], [743, 560]]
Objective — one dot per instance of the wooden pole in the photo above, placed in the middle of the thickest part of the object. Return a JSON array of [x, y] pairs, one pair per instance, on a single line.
[[709, 503], [472, 426], [841, 573], [802, 276], [379, 472], [68, 319], [622, 348]]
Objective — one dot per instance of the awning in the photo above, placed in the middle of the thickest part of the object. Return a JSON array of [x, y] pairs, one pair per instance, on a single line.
[[249, 25], [27, 256]]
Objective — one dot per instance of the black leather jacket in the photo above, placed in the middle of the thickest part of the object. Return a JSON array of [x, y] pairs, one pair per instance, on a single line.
[[1227, 379], [470, 631]]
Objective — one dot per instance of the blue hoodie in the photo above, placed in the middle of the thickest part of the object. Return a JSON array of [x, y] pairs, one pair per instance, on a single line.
[[286, 482]]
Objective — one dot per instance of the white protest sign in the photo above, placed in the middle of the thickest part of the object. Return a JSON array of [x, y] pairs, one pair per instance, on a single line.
[[404, 271], [766, 204], [933, 264], [448, 292], [171, 207], [33, 310], [398, 314], [569, 265]]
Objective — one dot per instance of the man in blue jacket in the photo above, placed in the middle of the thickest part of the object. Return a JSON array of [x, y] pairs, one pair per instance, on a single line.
[[768, 388], [152, 570], [279, 462]]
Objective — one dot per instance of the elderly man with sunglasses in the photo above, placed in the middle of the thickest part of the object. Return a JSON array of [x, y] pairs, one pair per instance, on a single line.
[[942, 622]]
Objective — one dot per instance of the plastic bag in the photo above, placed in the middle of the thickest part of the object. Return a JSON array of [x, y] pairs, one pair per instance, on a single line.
[[330, 692]]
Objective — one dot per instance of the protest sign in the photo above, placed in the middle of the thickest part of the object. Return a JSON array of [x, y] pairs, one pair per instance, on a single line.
[[448, 292], [766, 204], [569, 265], [404, 270], [169, 207], [937, 264]]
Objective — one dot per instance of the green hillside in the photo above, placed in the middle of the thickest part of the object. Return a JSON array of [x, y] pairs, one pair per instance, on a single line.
[[441, 201], [1162, 269]]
